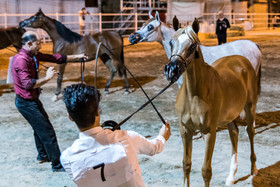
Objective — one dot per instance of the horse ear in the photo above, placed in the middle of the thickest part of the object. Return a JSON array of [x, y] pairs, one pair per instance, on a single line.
[[157, 16], [195, 25], [150, 14]]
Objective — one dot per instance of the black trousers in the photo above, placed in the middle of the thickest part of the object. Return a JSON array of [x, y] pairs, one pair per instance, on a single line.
[[222, 38], [44, 134]]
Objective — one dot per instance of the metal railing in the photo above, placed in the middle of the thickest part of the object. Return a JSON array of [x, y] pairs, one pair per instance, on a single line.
[[98, 22]]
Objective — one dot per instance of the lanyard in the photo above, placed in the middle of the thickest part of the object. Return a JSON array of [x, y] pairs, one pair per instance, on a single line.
[[36, 66]]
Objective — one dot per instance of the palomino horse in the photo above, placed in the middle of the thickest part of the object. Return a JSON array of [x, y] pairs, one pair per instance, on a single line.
[[11, 36], [211, 96], [67, 42], [155, 30]]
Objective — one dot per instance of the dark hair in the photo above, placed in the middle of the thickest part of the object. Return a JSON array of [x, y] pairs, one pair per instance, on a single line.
[[82, 102], [28, 37]]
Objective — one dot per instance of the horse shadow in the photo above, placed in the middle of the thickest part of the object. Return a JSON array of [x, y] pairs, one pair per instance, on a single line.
[[117, 83]]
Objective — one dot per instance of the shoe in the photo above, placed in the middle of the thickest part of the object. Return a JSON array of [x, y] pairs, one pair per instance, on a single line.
[[58, 169], [42, 160]]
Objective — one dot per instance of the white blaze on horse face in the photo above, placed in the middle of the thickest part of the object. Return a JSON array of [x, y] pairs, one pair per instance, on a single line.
[[180, 45]]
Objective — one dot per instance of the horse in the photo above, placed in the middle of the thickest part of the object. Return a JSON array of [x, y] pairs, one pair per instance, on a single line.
[[68, 42], [11, 36], [211, 97], [156, 30]]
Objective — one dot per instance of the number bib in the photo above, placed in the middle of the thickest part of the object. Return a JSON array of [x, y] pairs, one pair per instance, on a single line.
[[105, 166]]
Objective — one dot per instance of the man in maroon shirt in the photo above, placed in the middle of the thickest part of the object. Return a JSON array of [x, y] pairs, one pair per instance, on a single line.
[[27, 88]]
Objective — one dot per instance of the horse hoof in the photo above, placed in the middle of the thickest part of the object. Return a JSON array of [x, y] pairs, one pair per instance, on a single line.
[[229, 181], [106, 92], [126, 92]]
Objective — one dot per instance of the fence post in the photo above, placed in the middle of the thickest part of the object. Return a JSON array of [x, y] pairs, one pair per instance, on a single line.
[[136, 21], [57, 16], [5, 20], [100, 22]]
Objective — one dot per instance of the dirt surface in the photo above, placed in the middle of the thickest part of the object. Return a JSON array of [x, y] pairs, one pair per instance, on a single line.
[[18, 165]]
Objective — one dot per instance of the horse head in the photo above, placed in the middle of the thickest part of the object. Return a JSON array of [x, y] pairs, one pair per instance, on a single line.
[[35, 21], [184, 47], [150, 31]]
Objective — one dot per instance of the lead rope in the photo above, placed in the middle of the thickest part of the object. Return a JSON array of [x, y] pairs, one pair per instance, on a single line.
[[160, 116]]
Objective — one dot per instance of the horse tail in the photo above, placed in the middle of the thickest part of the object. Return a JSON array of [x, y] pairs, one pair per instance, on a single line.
[[259, 75], [259, 79]]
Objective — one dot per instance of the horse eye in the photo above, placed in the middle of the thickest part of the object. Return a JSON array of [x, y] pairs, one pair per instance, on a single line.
[[150, 27], [171, 43]]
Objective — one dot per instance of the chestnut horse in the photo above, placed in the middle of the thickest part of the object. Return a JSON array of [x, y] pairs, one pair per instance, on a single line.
[[154, 30], [11, 36], [68, 42], [211, 96]]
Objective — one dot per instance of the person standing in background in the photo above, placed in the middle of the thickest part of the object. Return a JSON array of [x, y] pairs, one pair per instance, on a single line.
[[222, 25], [82, 21]]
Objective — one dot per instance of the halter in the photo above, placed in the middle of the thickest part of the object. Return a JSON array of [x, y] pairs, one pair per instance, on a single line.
[[190, 56]]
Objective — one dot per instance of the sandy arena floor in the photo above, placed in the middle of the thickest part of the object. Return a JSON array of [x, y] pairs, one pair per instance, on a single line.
[[18, 165]]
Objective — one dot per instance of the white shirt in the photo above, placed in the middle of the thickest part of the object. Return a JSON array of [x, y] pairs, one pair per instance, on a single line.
[[127, 145]]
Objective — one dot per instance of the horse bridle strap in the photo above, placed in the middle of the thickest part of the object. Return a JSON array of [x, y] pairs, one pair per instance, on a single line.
[[190, 55], [143, 106]]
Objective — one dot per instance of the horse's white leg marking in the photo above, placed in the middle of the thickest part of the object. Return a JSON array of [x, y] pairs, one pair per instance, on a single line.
[[233, 170], [233, 132]]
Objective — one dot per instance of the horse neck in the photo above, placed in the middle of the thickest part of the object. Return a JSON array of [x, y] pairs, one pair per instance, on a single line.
[[50, 27], [197, 75], [167, 34]]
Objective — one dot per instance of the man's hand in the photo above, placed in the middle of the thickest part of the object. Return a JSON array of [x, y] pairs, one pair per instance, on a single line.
[[165, 131], [50, 73], [76, 58]]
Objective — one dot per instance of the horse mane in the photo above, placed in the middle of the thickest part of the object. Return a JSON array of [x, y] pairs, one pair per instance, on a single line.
[[66, 33], [190, 32]]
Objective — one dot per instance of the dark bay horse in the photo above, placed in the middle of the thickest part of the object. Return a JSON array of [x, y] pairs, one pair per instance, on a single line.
[[211, 97], [68, 42], [11, 36]]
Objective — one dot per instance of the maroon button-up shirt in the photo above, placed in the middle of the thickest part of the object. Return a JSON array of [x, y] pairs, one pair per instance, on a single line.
[[25, 74]]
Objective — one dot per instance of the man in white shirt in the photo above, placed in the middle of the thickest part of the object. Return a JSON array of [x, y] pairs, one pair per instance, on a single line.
[[104, 157]]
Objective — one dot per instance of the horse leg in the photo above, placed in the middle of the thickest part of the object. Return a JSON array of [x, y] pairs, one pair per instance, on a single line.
[[187, 155], [61, 69], [233, 133], [209, 148], [250, 118], [113, 71], [108, 63], [126, 82]]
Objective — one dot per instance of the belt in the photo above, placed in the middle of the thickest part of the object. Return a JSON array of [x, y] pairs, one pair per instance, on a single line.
[[18, 96]]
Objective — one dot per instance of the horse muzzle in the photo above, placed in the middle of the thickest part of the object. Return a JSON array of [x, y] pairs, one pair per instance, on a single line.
[[173, 71], [134, 38]]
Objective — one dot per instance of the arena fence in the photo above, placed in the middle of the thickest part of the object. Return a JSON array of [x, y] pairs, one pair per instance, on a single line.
[[126, 23]]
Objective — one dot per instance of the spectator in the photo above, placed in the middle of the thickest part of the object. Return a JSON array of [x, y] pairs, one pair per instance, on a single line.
[[82, 21], [222, 25], [27, 88], [102, 157]]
